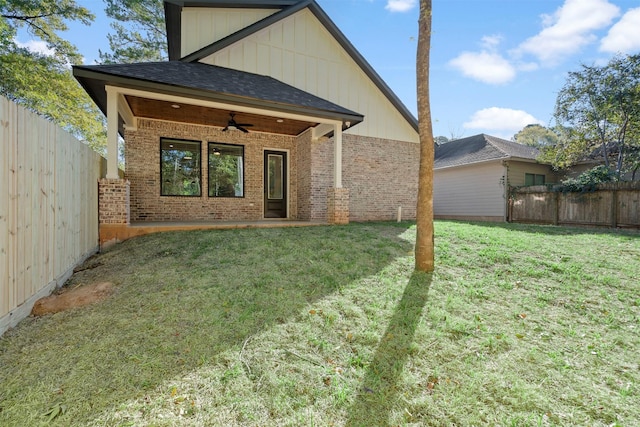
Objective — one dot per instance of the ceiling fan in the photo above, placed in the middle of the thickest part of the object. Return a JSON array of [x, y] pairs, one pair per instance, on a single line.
[[231, 124]]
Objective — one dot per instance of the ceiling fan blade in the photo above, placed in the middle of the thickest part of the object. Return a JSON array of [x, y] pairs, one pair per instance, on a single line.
[[232, 124]]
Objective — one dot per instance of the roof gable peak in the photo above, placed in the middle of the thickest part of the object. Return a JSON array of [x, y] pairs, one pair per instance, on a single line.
[[287, 8]]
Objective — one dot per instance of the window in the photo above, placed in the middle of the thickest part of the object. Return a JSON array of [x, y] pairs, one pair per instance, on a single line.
[[226, 170], [180, 168], [533, 179]]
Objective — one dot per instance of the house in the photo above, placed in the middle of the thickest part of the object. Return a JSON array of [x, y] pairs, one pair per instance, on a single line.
[[472, 177], [264, 111]]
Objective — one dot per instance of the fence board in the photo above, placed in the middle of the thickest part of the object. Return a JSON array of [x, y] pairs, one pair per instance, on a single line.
[[628, 208], [5, 183], [49, 211]]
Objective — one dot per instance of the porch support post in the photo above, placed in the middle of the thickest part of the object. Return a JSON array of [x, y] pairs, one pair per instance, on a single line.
[[337, 197], [112, 133], [337, 155]]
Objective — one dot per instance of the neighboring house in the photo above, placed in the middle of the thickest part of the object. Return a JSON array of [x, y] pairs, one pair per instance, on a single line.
[[472, 176], [597, 158], [264, 110]]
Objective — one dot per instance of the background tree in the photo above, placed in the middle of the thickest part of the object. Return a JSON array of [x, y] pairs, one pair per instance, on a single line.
[[140, 32], [598, 113], [42, 82], [424, 214], [535, 135]]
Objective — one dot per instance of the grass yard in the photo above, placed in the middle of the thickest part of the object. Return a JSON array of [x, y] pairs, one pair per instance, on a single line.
[[329, 326]]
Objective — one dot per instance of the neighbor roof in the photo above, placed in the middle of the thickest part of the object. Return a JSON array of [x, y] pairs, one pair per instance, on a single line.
[[209, 82], [287, 8], [480, 148]]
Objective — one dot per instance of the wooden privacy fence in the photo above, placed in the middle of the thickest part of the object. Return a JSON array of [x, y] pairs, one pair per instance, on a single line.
[[48, 208], [610, 205]]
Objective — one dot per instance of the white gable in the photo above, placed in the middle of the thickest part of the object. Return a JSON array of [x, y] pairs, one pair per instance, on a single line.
[[299, 51], [201, 26]]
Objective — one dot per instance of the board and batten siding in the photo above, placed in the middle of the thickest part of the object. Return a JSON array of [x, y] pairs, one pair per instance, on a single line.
[[48, 208], [473, 192], [297, 50]]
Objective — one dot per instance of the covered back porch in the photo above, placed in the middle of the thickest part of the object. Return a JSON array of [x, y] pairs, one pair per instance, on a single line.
[[281, 150]]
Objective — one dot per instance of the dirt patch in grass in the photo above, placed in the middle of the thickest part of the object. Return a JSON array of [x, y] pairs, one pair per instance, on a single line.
[[68, 298]]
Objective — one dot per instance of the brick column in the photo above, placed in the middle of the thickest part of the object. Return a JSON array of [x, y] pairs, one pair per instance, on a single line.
[[113, 201], [338, 206]]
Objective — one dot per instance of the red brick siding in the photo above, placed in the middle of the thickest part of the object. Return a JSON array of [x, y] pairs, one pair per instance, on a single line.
[[304, 176], [338, 206], [321, 177], [113, 201], [381, 175], [142, 154]]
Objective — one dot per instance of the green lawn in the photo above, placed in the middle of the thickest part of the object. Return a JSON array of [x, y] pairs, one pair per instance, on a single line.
[[319, 326]]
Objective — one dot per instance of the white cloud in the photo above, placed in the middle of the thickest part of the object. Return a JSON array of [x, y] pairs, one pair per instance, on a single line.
[[36, 46], [491, 42], [569, 29], [624, 36], [500, 119], [485, 66], [400, 5]]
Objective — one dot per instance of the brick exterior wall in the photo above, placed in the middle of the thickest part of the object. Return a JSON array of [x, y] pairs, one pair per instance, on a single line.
[[304, 175], [380, 175], [113, 201], [142, 154], [338, 206], [321, 177]]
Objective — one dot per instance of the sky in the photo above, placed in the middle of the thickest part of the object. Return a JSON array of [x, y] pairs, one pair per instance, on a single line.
[[495, 65]]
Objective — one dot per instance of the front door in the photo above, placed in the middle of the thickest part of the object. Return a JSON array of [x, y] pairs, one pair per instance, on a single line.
[[275, 184]]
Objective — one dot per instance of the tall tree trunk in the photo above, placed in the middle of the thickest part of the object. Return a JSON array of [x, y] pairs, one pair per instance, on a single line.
[[424, 239]]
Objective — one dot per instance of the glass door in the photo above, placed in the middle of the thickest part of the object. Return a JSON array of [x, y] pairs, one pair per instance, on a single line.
[[275, 184]]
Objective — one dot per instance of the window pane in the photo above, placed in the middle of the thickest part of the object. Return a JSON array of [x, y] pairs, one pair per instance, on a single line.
[[179, 168], [529, 179], [275, 184], [226, 170], [539, 180]]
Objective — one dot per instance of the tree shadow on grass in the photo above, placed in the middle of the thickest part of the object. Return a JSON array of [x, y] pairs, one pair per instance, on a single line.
[[181, 300], [379, 390]]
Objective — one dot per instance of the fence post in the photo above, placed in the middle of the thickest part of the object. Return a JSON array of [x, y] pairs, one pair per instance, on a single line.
[[614, 206], [556, 207]]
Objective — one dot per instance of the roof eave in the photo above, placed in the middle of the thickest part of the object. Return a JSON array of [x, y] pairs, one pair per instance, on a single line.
[[497, 159], [435, 167], [85, 76]]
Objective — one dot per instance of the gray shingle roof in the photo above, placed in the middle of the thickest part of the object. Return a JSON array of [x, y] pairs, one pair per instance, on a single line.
[[480, 148], [209, 82]]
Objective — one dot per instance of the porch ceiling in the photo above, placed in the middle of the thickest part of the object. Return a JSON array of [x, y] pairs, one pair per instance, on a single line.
[[186, 113]]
